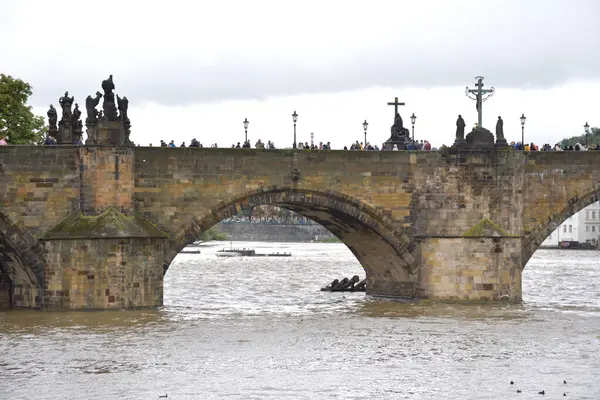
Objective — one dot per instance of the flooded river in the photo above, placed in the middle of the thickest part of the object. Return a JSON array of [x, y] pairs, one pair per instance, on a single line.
[[259, 328]]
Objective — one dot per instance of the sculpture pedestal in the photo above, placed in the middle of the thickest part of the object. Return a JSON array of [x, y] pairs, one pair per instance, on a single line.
[[64, 134], [107, 133], [110, 133], [91, 133], [400, 143], [480, 138], [459, 143], [501, 143]]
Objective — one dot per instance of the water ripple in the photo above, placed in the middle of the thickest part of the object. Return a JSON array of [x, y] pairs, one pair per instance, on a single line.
[[259, 328]]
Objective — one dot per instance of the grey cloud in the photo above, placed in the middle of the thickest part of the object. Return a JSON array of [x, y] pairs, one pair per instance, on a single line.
[[525, 47]]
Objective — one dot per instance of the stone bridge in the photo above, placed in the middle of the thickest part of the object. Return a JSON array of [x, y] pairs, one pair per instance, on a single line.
[[98, 226]]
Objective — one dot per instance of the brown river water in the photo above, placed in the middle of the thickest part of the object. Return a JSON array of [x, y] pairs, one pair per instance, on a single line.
[[259, 328]]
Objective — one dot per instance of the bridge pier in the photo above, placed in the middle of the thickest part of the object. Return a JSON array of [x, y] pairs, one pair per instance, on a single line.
[[104, 273], [480, 268]]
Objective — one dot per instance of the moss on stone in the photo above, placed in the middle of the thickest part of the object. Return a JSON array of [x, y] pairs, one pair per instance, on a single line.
[[110, 224], [485, 227]]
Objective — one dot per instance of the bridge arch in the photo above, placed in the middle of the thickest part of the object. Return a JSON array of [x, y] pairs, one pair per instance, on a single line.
[[533, 239], [385, 251], [21, 265]]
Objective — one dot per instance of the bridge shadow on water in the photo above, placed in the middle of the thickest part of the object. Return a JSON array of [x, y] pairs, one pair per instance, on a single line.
[[25, 321], [429, 310]]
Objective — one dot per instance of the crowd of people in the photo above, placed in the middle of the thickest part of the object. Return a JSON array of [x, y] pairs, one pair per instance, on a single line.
[[557, 147], [422, 145]]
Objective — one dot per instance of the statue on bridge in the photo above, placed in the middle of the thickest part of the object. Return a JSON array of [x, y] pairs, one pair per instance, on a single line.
[[66, 102], [52, 120], [90, 107], [460, 141], [76, 124], [398, 134], [111, 125], [460, 128], [108, 105], [123, 104], [64, 133], [500, 140]]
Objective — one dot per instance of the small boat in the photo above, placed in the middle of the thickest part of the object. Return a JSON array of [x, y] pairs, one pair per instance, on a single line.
[[231, 252], [193, 248], [226, 253]]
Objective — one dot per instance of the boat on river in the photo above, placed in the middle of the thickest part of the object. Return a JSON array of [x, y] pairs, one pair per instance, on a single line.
[[193, 248], [231, 252]]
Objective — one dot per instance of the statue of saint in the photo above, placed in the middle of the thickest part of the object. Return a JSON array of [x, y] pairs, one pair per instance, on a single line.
[[52, 116], [90, 107], [123, 104], [460, 128], [500, 129], [66, 102], [398, 129], [108, 105], [75, 119], [108, 84]]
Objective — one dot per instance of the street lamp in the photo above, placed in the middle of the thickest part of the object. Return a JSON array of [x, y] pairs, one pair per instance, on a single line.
[[413, 118], [587, 132], [523, 118], [246, 122], [365, 126], [295, 118]]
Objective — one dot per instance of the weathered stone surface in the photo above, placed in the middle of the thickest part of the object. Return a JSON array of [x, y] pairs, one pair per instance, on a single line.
[[419, 222], [483, 269], [5, 290], [104, 273]]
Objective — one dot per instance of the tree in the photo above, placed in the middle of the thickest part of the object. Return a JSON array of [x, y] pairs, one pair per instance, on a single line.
[[17, 120], [592, 138]]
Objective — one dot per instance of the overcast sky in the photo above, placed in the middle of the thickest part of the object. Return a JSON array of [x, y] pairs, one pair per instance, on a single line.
[[198, 68]]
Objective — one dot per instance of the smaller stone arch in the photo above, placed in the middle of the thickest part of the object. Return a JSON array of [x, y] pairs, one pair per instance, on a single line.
[[533, 240], [384, 249], [22, 260]]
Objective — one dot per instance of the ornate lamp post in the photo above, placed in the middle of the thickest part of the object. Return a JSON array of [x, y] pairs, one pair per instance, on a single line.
[[587, 132], [365, 126], [413, 118], [246, 122], [295, 118], [523, 118]]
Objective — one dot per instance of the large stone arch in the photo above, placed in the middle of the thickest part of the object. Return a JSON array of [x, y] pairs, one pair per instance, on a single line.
[[22, 262], [385, 251], [533, 239]]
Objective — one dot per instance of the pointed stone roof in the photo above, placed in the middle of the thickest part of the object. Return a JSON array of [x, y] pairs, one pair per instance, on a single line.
[[110, 224], [486, 228]]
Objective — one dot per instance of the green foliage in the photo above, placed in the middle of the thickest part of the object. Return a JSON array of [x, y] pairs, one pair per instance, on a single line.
[[17, 121], [593, 138], [212, 234], [329, 240]]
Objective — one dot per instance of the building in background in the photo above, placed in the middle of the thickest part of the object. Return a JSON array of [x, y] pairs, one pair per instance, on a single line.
[[583, 227]]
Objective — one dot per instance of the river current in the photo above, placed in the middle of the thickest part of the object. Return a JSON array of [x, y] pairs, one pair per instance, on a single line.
[[259, 328]]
